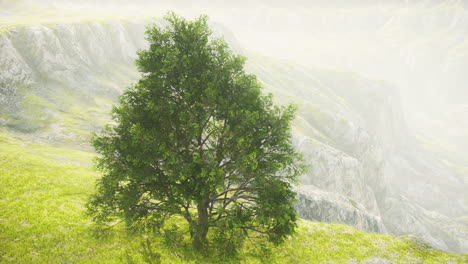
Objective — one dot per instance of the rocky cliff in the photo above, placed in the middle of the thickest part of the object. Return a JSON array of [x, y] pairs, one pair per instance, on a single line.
[[354, 134], [58, 81], [55, 77]]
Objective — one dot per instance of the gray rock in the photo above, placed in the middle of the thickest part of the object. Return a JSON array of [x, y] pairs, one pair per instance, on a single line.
[[369, 170], [316, 204]]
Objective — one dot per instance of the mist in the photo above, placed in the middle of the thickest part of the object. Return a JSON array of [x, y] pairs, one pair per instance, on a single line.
[[382, 90], [420, 47]]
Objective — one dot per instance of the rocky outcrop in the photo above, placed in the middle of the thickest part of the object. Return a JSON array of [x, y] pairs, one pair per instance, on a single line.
[[72, 54], [367, 169], [353, 132], [49, 71], [319, 205], [403, 216], [15, 71]]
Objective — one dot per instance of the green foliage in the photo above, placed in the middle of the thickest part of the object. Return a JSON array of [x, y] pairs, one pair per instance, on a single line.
[[172, 237], [43, 190], [195, 137]]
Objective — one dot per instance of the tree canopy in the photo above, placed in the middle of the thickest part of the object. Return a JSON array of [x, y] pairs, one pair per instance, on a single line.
[[196, 137]]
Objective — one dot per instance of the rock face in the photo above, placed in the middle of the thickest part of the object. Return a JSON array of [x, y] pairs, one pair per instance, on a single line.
[[50, 74], [72, 54], [15, 71], [368, 170], [319, 205]]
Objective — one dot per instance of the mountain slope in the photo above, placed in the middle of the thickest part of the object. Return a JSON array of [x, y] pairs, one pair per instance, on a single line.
[[353, 132], [42, 196], [58, 82]]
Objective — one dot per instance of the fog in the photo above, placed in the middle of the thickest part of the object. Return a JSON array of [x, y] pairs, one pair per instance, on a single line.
[[419, 48], [420, 45]]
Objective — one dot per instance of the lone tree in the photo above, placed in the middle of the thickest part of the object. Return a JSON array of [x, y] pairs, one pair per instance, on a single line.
[[195, 137]]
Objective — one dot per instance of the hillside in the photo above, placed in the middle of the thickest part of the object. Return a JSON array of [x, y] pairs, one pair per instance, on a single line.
[[59, 80], [42, 196]]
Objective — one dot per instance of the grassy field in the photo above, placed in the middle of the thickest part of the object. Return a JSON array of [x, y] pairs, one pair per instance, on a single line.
[[43, 190]]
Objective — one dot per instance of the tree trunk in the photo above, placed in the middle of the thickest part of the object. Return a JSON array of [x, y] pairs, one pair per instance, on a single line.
[[201, 227]]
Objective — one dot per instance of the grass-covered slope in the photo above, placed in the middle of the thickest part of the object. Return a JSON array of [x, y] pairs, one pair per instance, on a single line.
[[43, 190]]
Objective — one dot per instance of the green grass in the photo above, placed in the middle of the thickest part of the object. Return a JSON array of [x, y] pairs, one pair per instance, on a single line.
[[63, 108], [43, 190], [58, 107]]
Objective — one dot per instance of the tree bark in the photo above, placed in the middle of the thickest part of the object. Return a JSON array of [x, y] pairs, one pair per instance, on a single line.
[[201, 227]]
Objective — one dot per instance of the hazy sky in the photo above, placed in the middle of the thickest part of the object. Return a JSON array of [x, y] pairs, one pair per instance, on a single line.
[[420, 46]]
